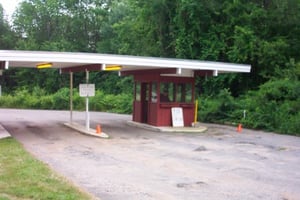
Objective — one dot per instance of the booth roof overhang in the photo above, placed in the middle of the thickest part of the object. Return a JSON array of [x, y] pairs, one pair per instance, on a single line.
[[73, 62]]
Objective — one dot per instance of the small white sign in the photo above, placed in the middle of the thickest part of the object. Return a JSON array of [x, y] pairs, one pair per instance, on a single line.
[[86, 90], [177, 117]]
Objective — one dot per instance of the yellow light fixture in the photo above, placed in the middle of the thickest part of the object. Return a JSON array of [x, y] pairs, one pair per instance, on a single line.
[[113, 67], [44, 65]]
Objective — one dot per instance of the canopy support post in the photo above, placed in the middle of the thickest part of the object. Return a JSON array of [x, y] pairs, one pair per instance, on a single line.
[[71, 97], [87, 119]]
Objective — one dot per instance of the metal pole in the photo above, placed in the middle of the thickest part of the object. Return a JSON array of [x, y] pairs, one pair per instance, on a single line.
[[87, 119], [71, 97], [196, 111]]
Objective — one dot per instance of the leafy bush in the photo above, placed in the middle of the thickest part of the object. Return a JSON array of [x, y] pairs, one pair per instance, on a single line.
[[217, 108], [23, 98], [38, 99], [121, 103], [61, 99], [97, 102], [45, 102], [274, 107], [6, 101]]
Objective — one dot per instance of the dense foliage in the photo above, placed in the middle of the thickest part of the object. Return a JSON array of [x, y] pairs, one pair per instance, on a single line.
[[264, 34], [39, 99], [274, 107]]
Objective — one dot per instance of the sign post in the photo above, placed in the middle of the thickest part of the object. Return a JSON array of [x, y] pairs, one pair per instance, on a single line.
[[87, 90]]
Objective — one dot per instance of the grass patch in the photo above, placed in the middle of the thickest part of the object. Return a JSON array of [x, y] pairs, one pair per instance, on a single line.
[[24, 177]]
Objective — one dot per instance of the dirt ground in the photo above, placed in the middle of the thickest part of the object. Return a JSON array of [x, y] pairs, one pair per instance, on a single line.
[[140, 164]]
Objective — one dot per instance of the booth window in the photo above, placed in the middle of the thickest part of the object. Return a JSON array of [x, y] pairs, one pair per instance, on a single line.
[[176, 92], [167, 92], [184, 93], [137, 91], [154, 92]]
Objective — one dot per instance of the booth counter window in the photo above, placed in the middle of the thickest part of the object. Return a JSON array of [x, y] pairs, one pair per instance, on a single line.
[[166, 92], [184, 93], [176, 92]]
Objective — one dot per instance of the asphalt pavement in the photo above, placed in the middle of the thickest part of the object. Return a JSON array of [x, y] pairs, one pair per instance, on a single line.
[[134, 163]]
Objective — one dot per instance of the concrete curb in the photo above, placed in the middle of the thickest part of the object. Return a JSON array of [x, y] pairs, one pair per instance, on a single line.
[[81, 129], [4, 133], [197, 129]]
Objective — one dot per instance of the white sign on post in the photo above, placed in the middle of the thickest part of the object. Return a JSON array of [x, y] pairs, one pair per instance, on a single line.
[[86, 90], [177, 117]]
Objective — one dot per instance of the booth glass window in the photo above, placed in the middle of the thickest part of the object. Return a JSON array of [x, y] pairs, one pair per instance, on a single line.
[[137, 91], [154, 92], [184, 93], [167, 92], [176, 92]]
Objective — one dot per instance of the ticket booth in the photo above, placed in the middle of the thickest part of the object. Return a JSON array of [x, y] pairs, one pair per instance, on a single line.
[[155, 94]]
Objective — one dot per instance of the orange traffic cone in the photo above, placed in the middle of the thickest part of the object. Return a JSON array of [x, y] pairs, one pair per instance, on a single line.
[[239, 128], [98, 129]]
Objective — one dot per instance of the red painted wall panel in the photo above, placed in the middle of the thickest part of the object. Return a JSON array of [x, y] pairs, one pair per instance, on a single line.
[[137, 112], [164, 115], [152, 114]]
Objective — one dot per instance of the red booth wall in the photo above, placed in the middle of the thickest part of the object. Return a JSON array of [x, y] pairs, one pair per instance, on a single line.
[[148, 107]]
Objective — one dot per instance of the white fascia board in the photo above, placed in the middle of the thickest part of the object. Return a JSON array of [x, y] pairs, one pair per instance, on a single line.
[[135, 61], [182, 73]]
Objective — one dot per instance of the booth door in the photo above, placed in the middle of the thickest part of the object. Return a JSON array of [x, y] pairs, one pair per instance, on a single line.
[[144, 101]]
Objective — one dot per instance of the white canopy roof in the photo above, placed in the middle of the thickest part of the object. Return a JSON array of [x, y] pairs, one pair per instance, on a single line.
[[61, 60]]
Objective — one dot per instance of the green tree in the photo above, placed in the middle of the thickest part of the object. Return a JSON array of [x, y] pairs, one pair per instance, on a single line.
[[7, 36], [56, 25], [140, 28], [61, 25]]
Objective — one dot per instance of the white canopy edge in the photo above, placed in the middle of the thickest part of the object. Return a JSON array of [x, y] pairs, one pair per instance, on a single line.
[[29, 59]]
